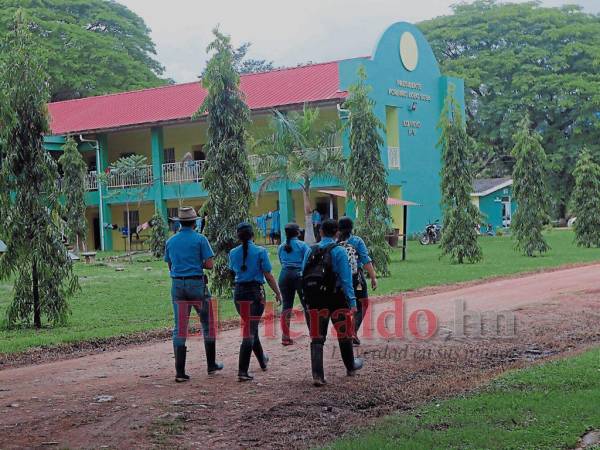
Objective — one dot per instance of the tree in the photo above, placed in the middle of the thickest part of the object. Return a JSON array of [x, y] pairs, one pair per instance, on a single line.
[[226, 170], [529, 189], [459, 239], [248, 65], [92, 46], [366, 175], [73, 189], [36, 256], [298, 151], [158, 236], [129, 177], [521, 58], [586, 201]]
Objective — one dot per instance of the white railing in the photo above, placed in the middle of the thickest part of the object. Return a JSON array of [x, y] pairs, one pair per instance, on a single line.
[[182, 172], [141, 177], [394, 157], [91, 181]]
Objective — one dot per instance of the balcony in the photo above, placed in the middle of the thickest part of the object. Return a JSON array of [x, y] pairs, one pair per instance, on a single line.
[[182, 172], [116, 180], [91, 181]]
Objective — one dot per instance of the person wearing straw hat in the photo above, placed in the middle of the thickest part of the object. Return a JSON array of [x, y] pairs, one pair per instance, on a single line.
[[188, 254]]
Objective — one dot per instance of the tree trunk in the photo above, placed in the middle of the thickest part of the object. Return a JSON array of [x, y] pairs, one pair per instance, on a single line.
[[37, 312], [309, 234], [83, 243], [128, 237]]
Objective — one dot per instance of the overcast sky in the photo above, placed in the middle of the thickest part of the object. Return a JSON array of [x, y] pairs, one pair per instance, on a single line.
[[285, 31]]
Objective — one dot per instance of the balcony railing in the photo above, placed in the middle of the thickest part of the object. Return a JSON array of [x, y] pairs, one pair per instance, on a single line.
[[91, 181], [141, 177], [182, 172]]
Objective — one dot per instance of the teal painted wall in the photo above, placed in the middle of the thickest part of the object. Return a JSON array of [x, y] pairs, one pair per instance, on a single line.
[[420, 163], [491, 206]]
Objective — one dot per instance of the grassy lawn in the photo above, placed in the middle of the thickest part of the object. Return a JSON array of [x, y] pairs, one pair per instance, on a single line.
[[549, 406], [115, 303]]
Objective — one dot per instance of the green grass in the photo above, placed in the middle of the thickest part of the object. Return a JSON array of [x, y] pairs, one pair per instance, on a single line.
[[549, 406], [115, 303]]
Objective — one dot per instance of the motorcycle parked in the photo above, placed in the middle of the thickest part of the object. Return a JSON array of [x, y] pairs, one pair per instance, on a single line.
[[432, 233]]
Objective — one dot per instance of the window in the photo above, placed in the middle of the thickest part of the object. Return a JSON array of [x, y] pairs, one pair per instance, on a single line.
[[134, 220], [169, 155], [394, 157], [198, 151]]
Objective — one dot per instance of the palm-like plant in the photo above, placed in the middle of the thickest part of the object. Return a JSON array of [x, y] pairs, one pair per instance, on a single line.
[[299, 150]]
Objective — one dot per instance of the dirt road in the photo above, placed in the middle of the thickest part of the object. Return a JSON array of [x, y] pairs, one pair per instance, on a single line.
[[127, 399]]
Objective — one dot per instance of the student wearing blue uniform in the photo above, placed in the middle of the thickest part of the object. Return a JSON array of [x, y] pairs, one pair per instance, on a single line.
[[316, 220], [188, 253], [363, 263], [291, 254], [251, 266], [329, 295]]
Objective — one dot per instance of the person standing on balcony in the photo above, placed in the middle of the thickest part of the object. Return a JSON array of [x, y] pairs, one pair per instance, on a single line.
[[188, 254], [251, 266], [291, 254], [358, 256]]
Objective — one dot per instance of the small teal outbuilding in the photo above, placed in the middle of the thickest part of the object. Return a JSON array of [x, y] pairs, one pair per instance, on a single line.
[[494, 198]]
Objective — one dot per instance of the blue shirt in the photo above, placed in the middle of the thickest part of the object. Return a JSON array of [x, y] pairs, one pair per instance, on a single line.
[[316, 217], [361, 250], [341, 268], [293, 260], [276, 223], [257, 263], [186, 252]]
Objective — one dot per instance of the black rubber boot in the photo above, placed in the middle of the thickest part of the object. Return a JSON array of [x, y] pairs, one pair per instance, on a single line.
[[210, 347], [244, 363], [316, 362], [180, 355], [261, 357], [352, 364]]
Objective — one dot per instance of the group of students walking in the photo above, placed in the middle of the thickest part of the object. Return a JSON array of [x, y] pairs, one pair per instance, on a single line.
[[329, 278]]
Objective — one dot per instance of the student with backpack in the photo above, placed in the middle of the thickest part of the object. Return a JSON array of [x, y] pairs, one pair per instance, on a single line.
[[329, 295], [291, 254], [358, 256], [251, 266]]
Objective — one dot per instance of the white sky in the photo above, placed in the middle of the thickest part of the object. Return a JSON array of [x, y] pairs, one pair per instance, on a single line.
[[285, 31]]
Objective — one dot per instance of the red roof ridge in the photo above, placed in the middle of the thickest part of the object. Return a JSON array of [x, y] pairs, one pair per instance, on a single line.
[[166, 86]]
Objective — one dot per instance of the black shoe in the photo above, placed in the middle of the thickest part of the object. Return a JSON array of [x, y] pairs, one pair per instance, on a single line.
[[210, 347], [265, 362], [355, 341], [245, 377], [316, 362], [180, 355], [352, 364]]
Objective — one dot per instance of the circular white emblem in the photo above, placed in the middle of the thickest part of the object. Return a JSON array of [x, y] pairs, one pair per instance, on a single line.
[[409, 51]]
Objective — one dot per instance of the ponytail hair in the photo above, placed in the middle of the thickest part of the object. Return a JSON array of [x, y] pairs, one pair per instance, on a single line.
[[245, 234], [345, 225], [292, 230]]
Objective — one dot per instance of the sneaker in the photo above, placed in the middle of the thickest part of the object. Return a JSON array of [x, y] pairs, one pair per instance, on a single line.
[[182, 378], [215, 368], [355, 341], [265, 362]]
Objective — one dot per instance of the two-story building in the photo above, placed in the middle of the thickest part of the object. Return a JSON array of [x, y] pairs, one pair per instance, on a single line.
[[407, 87]]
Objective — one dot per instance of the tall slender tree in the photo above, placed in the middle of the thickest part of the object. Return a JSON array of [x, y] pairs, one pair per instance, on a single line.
[[366, 175], [73, 189], [529, 178], [36, 256], [459, 239], [586, 201], [227, 170]]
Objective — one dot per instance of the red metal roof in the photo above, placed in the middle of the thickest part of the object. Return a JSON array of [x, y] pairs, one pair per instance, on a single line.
[[277, 88]]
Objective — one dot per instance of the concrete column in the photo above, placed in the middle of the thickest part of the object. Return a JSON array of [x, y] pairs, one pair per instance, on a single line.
[[158, 158], [286, 206], [104, 207]]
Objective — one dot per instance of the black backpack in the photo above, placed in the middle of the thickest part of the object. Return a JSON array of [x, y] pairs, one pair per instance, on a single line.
[[318, 277]]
